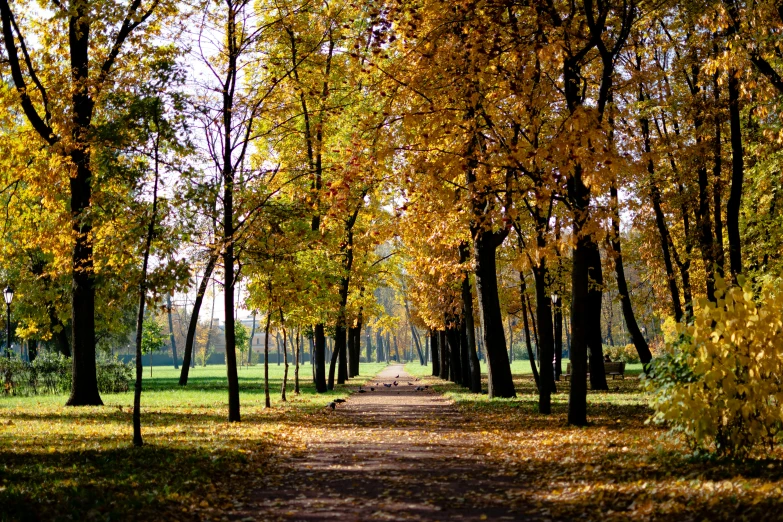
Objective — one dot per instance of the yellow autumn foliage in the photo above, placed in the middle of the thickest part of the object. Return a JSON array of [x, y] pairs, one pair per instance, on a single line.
[[719, 382]]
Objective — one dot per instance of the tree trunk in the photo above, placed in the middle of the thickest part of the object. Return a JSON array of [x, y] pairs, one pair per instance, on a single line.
[[342, 359], [706, 241], [191, 336], [351, 351], [171, 333], [558, 324], [464, 350], [268, 402], [84, 383], [59, 334], [137, 439], [579, 195], [737, 177], [379, 347], [545, 337], [535, 329], [500, 382], [357, 344], [455, 359], [435, 348], [252, 335], [296, 364], [285, 357], [663, 231], [530, 354], [594, 337], [622, 286], [368, 343], [445, 356], [717, 182], [320, 358], [337, 353], [510, 341], [414, 334]]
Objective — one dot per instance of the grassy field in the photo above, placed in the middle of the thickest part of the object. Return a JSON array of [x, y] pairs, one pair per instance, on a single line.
[[60, 462]]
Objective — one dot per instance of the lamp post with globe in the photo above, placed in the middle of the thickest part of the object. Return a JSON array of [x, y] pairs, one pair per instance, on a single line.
[[8, 295]]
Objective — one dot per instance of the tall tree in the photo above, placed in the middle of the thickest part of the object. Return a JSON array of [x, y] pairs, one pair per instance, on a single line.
[[89, 70]]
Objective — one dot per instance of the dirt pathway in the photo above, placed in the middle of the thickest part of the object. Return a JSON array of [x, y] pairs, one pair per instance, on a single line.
[[389, 454]]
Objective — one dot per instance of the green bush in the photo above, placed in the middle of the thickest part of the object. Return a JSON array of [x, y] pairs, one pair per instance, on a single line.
[[53, 371], [50, 373], [626, 354], [17, 376], [718, 382], [114, 376]]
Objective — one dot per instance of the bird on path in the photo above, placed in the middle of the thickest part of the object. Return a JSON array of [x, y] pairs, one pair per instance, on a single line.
[[331, 405], [396, 376], [426, 385], [361, 391], [387, 385], [410, 384], [372, 389], [419, 388], [338, 401], [395, 383]]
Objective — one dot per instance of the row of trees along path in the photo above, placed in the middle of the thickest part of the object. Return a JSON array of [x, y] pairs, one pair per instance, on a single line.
[[390, 454]]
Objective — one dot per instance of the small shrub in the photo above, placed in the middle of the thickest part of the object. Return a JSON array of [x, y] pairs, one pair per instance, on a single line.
[[17, 376], [50, 373], [114, 376], [53, 372], [718, 383], [626, 354]]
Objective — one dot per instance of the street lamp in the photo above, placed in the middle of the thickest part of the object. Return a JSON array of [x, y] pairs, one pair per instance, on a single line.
[[555, 299], [8, 295]]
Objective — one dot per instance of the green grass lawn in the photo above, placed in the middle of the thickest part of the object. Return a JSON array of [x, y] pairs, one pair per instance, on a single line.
[[77, 463]]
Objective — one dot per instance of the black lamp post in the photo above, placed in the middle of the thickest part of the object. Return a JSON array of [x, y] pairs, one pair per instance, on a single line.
[[8, 295]]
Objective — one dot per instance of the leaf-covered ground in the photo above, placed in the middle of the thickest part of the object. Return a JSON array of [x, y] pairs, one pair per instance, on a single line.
[[618, 468], [392, 454]]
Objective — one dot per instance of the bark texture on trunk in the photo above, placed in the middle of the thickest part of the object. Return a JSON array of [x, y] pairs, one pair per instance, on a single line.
[[320, 358], [500, 382], [172, 341], [558, 324], [445, 356], [638, 339], [285, 357], [435, 348], [594, 336], [455, 359], [469, 327], [530, 354], [546, 338], [338, 352], [267, 401], [737, 177], [296, 362]]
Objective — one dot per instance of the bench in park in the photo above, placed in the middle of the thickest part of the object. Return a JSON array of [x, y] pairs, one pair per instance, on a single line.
[[614, 369]]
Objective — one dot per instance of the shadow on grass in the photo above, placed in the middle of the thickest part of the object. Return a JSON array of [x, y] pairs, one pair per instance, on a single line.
[[148, 483]]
